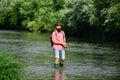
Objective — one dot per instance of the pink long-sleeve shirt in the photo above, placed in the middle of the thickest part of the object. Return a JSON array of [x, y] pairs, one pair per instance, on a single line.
[[58, 36]]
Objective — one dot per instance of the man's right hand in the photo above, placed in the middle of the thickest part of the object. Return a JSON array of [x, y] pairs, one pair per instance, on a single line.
[[65, 45]]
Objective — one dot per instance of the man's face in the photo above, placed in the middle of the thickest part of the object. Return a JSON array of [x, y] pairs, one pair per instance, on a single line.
[[58, 28]]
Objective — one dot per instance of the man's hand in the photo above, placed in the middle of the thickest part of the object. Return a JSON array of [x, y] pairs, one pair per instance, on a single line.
[[64, 44]]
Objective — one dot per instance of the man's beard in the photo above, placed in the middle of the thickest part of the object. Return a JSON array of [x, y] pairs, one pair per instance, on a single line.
[[59, 29]]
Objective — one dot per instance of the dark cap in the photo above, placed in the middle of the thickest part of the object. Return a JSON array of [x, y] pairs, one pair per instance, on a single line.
[[57, 24]]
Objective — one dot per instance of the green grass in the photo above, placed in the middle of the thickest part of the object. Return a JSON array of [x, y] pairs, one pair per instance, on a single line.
[[10, 68]]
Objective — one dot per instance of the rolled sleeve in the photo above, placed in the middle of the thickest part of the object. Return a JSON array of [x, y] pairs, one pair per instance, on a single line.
[[54, 37]]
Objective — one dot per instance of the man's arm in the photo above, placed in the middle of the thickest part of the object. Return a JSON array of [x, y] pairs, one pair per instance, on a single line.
[[58, 42], [55, 41]]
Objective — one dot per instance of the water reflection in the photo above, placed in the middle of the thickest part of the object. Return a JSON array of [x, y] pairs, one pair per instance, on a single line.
[[59, 74]]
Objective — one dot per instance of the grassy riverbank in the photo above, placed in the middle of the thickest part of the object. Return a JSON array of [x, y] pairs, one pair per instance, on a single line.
[[10, 68]]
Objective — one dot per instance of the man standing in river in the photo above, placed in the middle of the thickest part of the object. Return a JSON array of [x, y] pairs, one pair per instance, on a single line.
[[58, 40]]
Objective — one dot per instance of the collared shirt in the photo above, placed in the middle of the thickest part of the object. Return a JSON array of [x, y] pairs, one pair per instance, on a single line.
[[58, 36]]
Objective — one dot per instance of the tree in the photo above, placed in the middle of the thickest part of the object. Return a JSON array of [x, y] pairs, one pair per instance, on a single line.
[[58, 4], [77, 17], [99, 18], [33, 15]]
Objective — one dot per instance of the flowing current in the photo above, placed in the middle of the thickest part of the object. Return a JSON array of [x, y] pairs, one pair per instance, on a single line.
[[84, 61]]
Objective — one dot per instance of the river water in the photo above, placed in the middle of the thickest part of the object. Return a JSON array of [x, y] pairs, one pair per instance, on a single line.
[[84, 61]]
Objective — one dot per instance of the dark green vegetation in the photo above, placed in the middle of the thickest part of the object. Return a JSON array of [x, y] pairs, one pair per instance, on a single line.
[[91, 19], [10, 68]]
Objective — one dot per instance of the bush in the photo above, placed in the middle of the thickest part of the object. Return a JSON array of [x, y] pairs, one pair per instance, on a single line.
[[10, 69]]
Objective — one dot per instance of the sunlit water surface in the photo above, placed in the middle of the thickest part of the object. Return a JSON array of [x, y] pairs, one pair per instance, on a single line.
[[84, 61]]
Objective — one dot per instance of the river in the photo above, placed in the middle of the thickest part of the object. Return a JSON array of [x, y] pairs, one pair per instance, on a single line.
[[84, 61]]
